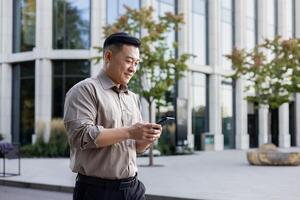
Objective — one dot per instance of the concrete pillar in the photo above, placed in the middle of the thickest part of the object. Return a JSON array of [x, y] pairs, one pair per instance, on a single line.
[[98, 20], [242, 137], [5, 69], [183, 83], [263, 118], [215, 122], [43, 68], [261, 21], [5, 100], [7, 27], [44, 28], [282, 18], [297, 18], [263, 112], [144, 103], [1, 27], [43, 92], [240, 24], [284, 135], [1, 38], [214, 12]]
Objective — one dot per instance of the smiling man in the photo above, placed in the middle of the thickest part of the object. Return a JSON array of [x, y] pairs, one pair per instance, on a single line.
[[105, 128]]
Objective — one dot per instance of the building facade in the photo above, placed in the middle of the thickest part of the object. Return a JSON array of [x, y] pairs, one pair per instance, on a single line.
[[46, 46]]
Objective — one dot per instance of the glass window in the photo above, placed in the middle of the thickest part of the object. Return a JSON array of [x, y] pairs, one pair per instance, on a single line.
[[251, 23], [199, 31], [23, 102], [24, 14], [116, 8], [163, 6], [65, 75], [227, 31], [227, 114], [199, 107], [71, 24]]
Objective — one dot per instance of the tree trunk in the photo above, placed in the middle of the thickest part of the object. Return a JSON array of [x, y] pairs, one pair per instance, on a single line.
[[151, 147]]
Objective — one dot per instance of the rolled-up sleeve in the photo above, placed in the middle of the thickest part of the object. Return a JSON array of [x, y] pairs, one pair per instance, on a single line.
[[80, 113]]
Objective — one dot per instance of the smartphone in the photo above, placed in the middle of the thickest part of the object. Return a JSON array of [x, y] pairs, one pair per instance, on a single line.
[[164, 120]]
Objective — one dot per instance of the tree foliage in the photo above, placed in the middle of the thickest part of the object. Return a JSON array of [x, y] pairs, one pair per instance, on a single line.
[[272, 70]]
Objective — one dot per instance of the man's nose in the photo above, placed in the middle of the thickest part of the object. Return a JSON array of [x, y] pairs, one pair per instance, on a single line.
[[132, 68]]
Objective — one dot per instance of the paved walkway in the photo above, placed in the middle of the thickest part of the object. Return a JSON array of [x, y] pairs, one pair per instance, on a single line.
[[221, 175]]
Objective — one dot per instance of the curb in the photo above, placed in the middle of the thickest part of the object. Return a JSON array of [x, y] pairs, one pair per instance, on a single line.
[[69, 189], [38, 186], [156, 197]]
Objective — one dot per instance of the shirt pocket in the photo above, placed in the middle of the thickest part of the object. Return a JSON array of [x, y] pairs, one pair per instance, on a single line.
[[109, 115], [127, 117]]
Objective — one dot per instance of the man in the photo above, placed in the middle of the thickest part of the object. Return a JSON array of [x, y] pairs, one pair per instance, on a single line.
[[105, 128]]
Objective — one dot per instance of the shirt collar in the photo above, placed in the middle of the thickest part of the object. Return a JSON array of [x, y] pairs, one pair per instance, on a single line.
[[107, 83]]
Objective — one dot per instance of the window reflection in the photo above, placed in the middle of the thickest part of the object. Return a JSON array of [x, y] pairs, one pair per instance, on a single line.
[[163, 6], [116, 8], [65, 75], [198, 31], [24, 25], [227, 31], [23, 102], [71, 24], [199, 108]]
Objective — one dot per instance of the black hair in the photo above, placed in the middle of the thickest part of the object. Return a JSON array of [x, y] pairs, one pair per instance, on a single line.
[[120, 38]]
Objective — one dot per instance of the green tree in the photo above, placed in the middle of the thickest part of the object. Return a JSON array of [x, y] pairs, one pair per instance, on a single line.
[[160, 67], [272, 71]]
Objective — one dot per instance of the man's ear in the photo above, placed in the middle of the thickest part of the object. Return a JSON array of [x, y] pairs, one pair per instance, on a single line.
[[107, 56]]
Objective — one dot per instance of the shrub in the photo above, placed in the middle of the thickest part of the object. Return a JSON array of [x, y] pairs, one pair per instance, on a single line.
[[56, 147], [58, 142]]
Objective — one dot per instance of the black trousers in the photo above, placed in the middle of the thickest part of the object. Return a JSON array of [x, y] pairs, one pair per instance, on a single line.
[[91, 188]]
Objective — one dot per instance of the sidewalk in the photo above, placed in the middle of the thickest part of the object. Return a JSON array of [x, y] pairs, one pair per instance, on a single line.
[[220, 175]]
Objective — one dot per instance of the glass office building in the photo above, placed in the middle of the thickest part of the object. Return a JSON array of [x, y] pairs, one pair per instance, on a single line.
[[46, 47]]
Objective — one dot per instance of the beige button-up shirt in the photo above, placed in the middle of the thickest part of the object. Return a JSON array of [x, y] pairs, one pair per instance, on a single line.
[[90, 106]]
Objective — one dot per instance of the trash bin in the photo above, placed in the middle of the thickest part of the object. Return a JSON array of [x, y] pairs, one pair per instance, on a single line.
[[207, 141]]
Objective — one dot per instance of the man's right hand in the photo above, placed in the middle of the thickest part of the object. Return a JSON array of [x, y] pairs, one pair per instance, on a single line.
[[145, 131]]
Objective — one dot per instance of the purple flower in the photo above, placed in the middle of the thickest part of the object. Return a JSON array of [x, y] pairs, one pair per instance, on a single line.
[[6, 147]]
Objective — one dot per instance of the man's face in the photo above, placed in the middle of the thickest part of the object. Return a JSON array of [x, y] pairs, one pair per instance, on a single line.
[[121, 65]]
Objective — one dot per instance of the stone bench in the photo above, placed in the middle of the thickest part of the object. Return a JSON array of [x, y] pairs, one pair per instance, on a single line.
[[268, 154]]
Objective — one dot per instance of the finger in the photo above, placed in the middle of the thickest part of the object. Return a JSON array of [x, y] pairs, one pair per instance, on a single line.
[[154, 131], [153, 126], [156, 126], [151, 137]]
